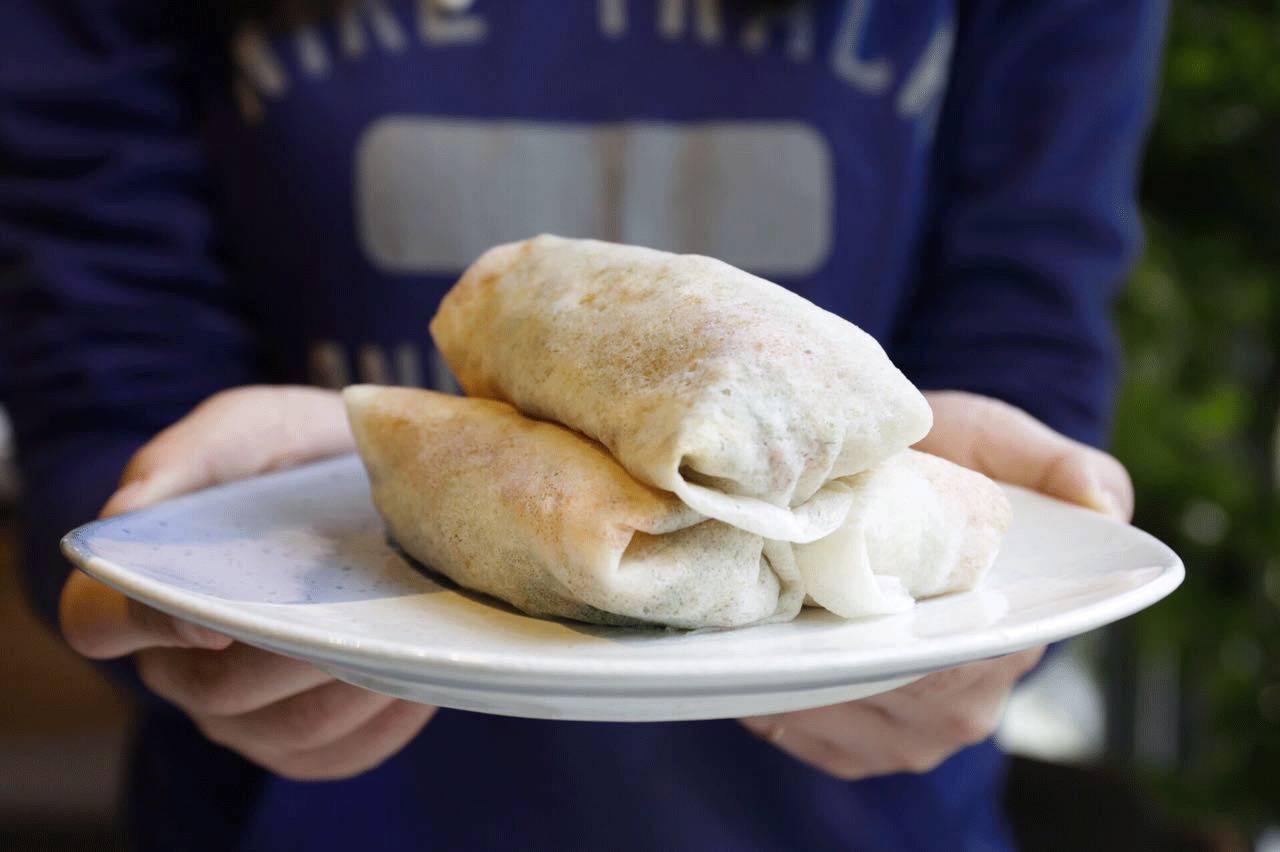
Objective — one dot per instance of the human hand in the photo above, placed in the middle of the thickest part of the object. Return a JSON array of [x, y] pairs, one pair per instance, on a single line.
[[1007, 444], [909, 729], [916, 727], [285, 715]]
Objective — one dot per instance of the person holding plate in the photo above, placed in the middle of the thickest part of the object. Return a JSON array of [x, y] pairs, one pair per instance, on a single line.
[[210, 220]]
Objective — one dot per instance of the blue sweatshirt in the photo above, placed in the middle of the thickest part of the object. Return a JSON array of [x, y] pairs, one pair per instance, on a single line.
[[184, 210]]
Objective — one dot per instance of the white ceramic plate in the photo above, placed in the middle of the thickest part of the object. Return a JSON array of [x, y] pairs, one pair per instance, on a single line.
[[298, 562]]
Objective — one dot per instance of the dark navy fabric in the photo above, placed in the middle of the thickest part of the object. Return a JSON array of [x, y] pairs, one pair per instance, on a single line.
[[166, 232]]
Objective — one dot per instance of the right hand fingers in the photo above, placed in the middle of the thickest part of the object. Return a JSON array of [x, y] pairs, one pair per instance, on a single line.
[[233, 435], [100, 623]]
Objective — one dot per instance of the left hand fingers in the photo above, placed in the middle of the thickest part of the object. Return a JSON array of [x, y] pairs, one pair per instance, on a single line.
[[377, 739], [230, 682], [304, 722], [101, 623]]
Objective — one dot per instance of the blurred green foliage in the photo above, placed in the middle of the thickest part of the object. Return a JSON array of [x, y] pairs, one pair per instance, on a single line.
[[1198, 415]]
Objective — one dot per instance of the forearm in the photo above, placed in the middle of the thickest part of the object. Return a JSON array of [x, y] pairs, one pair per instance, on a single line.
[[1036, 221], [115, 316]]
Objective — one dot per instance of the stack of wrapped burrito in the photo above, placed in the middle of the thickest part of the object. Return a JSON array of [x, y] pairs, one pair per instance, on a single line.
[[663, 439]]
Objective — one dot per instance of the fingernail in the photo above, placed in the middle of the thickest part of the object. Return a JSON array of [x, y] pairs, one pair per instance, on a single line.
[[1117, 508], [1103, 500], [203, 637]]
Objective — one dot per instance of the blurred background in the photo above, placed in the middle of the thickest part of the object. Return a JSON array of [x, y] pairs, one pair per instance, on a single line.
[[63, 727], [1193, 685], [1165, 730], [1180, 705]]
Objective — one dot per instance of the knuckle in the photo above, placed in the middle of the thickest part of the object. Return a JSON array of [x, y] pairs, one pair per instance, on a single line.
[[295, 769], [933, 687], [303, 726], [226, 403], [1111, 467], [296, 740], [972, 720], [915, 758], [968, 726], [212, 687], [201, 681], [75, 638], [224, 398], [154, 672], [153, 623], [1026, 661], [1116, 475], [319, 765], [214, 733], [289, 769], [998, 409], [1064, 463], [922, 761], [141, 463], [991, 414], [309, 771], [845, 768]]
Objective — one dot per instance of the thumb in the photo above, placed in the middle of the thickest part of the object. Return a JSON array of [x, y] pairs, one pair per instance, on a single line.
[[1006, 443], [233, 435]]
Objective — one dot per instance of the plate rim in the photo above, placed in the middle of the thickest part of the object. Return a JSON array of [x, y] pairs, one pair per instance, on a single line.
[[504, 670]]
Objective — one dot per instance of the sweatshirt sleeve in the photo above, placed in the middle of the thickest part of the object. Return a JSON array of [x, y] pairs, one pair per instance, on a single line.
[[1036, 218], [115, 317]]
